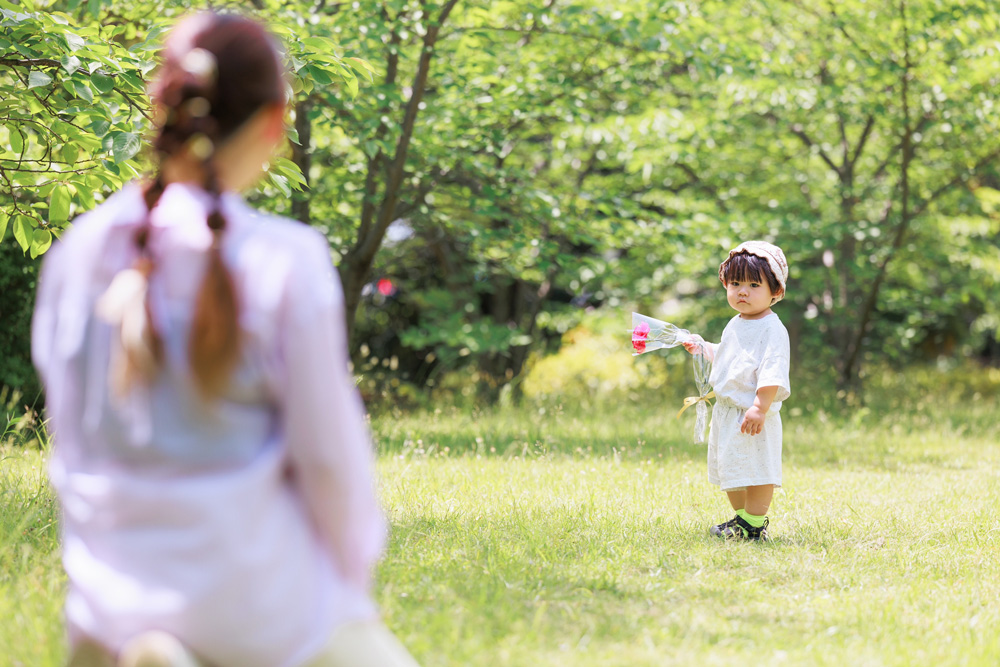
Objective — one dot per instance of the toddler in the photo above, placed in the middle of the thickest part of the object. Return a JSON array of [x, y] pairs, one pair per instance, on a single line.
[[750, 379]]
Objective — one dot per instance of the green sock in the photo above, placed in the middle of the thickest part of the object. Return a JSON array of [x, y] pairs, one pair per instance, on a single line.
[[755, 521]]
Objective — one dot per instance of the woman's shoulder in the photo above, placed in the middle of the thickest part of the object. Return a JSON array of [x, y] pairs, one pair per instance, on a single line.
[[81, 244], [278, 233], [283, 262], [125, 206]]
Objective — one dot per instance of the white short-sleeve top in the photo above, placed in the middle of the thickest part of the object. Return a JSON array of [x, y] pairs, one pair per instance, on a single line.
[[751, 354], [248, 525]]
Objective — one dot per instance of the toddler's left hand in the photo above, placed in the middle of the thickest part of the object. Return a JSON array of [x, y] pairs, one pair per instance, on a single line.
[[753, 421]]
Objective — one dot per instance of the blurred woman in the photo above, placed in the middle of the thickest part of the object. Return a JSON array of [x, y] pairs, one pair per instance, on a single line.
[[211, 456]]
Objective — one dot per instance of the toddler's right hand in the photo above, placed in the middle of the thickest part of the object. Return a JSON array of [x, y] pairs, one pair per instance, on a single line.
[[695, 346]]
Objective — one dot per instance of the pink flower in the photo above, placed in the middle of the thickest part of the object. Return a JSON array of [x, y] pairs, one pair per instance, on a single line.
[[639, 335]]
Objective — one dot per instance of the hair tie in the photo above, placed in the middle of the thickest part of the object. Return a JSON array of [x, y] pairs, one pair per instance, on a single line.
[[201, 65], [202, 147], [198, 107], [216, 221]]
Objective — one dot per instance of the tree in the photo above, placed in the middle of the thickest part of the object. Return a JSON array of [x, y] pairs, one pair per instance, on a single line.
[[496, 225], [840, 129], [74, 108], [72, 105], [506, 164]]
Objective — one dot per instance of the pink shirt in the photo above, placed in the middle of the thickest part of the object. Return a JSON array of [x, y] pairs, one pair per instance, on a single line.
[[247, 527]]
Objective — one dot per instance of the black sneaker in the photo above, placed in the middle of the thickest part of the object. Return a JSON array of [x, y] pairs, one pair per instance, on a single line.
[[737, 528], [720, 529]]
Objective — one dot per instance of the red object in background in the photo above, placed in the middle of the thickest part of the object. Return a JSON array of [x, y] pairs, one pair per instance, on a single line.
[[639, 335], [385, 287]]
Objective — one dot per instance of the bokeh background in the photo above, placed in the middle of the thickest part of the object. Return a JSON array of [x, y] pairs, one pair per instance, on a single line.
[[502, 183]]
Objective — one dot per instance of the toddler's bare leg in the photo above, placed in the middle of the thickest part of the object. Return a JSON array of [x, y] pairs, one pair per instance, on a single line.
[[758, 499], [738, 499]]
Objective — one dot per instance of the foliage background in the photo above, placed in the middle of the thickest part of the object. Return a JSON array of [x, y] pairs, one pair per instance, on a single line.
[[502, 180]]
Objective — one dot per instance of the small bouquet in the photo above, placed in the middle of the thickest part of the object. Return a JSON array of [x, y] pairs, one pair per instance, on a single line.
[[650, 334]]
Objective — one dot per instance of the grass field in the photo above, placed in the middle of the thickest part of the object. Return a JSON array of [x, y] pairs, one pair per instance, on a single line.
[[557, 536]]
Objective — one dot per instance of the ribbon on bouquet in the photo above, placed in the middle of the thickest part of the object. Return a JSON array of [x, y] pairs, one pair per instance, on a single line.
[[692, 400]]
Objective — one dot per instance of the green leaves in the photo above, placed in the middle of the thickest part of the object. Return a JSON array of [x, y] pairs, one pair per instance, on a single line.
[[62, 93], [100, 126], [102, 82], [38, 78], [605, 152], [59, 202], [83, 91], [124, 145], [281, 183], [23, 231], [41, 239], [70, 63], [16, 140], [362, 67]]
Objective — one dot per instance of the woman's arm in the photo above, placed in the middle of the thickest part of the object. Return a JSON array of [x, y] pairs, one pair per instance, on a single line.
[[329, 445]]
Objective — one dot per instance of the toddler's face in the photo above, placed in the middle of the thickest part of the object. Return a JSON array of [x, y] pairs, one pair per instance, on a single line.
[[751, 299]]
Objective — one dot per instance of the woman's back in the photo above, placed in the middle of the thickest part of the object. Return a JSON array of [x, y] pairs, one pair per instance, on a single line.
[[170, 421], [180, 512]]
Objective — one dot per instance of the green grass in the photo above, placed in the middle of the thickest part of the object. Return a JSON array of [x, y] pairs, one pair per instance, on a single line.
[[32, 583], [579, 537]]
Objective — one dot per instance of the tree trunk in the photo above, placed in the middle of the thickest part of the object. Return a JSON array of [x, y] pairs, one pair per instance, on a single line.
[[302, 156], [352, 279], [375, 220], [850, 373], [520, 353]]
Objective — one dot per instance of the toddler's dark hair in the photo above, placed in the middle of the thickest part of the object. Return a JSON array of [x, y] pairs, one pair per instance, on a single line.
[[746, 267]]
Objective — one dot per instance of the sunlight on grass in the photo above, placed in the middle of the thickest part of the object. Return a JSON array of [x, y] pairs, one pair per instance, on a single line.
[[31, 578], [549, 535], [591, 562]]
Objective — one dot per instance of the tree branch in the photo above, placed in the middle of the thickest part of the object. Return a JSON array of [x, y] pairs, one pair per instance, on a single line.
[[891, 155], [960, 178], [865, 133], [29, 63], [377, 160], [133, 104], [388, 209], [798, 131], [845, 146]]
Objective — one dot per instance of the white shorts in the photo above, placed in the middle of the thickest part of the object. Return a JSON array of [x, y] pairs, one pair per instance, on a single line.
[[737, 460]]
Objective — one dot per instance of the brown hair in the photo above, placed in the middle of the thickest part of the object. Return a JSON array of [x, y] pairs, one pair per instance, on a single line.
[[746, 267], [218, 70]]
